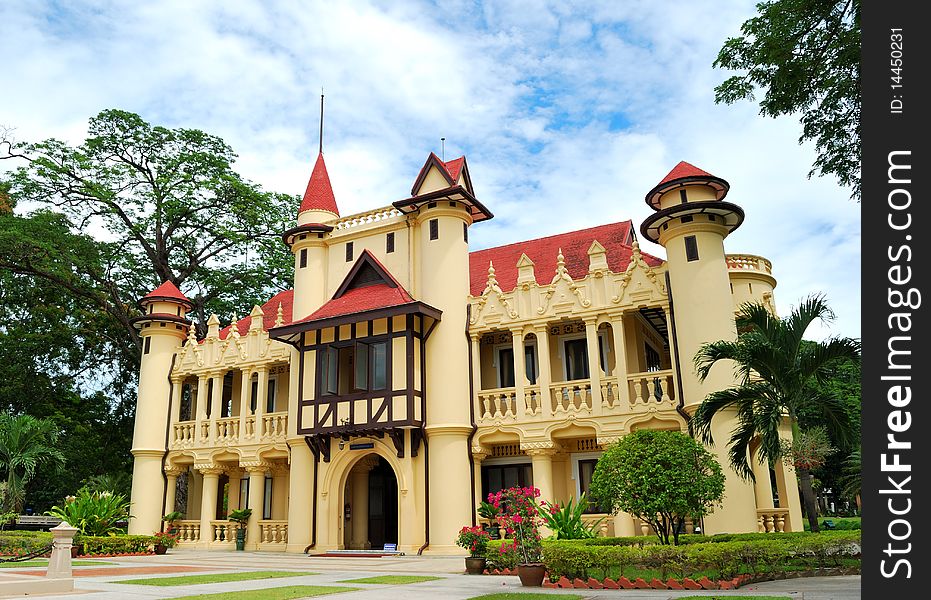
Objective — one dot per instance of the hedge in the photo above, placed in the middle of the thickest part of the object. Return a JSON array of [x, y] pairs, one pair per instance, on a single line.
[[17, 543], [718, 557], [116, 544]]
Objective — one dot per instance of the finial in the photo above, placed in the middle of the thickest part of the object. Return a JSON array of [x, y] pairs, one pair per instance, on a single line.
[[321, 119], [234, 326], [443, 148], [560, 260], [635, 245], [258, 318], [491, 271], [279, 317], [192, 333]]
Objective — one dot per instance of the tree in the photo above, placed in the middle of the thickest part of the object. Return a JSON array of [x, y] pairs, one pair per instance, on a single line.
[[661, 477], [777, 373], [805, 54], [25, 444], [172, 209]]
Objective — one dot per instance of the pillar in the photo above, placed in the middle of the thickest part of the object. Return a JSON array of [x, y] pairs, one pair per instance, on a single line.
[[787, 485], [245, 399], [176, 385], [594, 363], [450, 501], [171, 490], [300, 502], [235, 483], [210, 487], [477, 458], [256, 503], [59, 563], [620, 356], [520, 372], [542, 461], [763, 488], [216, 404], [279, 493], [545, 377], [261, 400], [201, 407]]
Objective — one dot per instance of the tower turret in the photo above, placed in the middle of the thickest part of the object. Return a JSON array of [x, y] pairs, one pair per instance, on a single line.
[[162, 327], [691, 221], [307, 241]]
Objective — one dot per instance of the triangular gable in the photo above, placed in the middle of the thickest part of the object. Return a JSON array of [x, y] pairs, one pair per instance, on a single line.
[[433, 162], [451, 172], [367, 271]]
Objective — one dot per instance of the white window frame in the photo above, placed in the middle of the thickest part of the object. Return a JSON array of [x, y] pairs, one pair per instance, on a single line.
[[574, 459]]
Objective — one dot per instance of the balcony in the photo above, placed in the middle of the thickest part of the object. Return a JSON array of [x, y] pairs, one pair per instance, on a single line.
[[230, 431], [636, 393]]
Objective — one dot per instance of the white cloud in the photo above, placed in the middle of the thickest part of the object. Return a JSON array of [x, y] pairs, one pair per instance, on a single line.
[[573, 109]]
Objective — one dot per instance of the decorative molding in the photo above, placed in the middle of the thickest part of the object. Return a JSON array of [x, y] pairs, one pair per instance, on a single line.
[[562, 277], [637, 263]]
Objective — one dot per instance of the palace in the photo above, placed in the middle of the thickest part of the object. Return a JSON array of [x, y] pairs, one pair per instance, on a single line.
[[403, 378]]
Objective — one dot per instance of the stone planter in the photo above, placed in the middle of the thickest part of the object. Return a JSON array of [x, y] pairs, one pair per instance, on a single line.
[[475, 565], [531, 574], [241, 538]]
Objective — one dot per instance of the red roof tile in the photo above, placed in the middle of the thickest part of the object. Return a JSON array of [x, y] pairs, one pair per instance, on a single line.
[[682, 170], [319, 192], [450, 170], [362, 299], [166, 290], [453, 167], [543, 252], [270, 308]]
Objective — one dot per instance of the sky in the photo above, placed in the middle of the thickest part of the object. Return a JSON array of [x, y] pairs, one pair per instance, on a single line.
[[568, 112]]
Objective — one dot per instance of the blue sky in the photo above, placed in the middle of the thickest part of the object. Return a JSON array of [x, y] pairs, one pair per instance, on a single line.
[[568, 112]]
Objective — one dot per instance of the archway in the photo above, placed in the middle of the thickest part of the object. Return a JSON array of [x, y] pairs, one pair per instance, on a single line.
[[371, 505]]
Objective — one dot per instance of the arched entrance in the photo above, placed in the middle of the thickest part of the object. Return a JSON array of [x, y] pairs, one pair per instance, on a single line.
[[371, 505]]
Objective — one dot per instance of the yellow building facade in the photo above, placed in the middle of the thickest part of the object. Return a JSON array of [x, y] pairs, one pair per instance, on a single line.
[[404, 377]]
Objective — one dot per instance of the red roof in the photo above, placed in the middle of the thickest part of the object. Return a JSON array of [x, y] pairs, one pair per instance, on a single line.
[[454, 166], [164, 291], [270, 308], [543, 251], [319, 192], [450, 170], [683, 170], [362, 299]]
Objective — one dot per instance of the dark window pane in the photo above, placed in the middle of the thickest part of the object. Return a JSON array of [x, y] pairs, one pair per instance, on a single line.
[[506, 366], [272, 395], [303, 257], [530, 364], [389, 243], [362, 366], [379, 358], [691, 248], [348, 251], [434, 229], [576, 359], [267, 509]]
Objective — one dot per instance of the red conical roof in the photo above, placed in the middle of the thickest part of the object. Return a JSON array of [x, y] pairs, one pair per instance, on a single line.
[[166, 291], [682, 170], [319, 193]]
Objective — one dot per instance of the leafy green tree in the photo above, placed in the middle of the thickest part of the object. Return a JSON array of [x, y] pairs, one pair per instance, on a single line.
[[170, 207], [25, 444], [777, 371], [661, 477], [805, 56]]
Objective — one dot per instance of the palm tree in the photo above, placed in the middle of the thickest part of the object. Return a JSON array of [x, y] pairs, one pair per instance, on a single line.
[[26, 443], [776, 372]]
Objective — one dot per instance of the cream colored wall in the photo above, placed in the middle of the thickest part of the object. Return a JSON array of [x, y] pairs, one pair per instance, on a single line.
[[432, 182], [375, 241], [748, 287], [695, 193]]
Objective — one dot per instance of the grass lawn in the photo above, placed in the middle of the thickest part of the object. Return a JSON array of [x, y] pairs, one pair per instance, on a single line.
[[279, 593], [215, 578], [529, 596], [43, 562], [392, 579]]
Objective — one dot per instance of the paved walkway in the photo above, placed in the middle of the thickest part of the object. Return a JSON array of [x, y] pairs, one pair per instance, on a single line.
[[331, 571]]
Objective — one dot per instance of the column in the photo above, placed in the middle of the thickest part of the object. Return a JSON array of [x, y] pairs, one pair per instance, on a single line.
[[543, 359], [624, 525], [208, 502], [235, 482], [763, 488], [256, 503], [594, 363], [194, 488], [620, 359], [477, 458], [176, 384], [216, 404], [477, 373], [201, 408], [171, 490], [542, 461], [245, 399], [279, 493], [261, 400], [520, 372]]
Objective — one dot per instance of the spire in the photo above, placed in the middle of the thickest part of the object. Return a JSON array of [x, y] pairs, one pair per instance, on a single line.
[[319, 192], [168, 292]]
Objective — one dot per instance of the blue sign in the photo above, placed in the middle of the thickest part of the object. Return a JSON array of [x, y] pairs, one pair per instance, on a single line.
[[391, 548], [362, 446]]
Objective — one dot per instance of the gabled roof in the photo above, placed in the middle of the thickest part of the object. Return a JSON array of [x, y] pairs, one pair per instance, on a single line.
[[615, 237], [682, 174], [270, 308], [319, 192], [166, 292], [450, 170]]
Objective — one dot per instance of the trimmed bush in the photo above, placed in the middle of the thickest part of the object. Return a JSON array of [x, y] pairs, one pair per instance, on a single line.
[[115, 544], [17, 543]]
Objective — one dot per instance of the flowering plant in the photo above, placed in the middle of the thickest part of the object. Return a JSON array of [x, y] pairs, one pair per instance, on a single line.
[[473, 539], [520, 518], [163, 538]]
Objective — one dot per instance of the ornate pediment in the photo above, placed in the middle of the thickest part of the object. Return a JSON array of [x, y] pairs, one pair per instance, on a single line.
[[492, 305], [639, 282], [562, 294]]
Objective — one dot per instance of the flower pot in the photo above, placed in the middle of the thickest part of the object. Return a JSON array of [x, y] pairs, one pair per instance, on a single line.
[[240, 539], [494, 532], [531, 574], [160, 549], [475, 565]]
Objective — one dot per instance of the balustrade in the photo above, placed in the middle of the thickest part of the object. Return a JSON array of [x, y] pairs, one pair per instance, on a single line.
[[183, 433], [654, 386], [224, 532], [227, 430], [571, 396], [748, 262], [365, 218], [497, 403], [188, 531], [772, 520], [274, 425], [273, 532]]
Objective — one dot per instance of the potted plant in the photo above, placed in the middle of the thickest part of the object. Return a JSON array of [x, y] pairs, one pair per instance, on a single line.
[[475, 540], [163, 541], [520, 518], [241, 517], [487, 510], [171, 518]]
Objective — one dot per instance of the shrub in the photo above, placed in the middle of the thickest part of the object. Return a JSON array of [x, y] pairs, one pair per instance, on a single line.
[[520, 517], [115, 544], [473, 539], [17, 543], [93, 513], [566, 521], [501, 554]]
